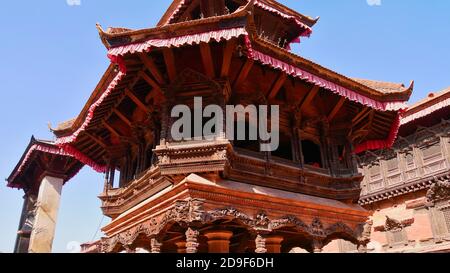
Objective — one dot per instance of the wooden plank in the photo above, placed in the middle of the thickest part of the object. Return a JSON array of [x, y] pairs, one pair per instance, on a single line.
[[169, 59], [273, 92], [122, 117], [244, 73], [336, 109], [207, 60], [227, 57], [151, 66], [136, 100]]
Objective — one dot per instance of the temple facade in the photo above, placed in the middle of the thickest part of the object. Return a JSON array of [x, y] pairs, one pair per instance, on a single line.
[[218, 194], [407, 187]]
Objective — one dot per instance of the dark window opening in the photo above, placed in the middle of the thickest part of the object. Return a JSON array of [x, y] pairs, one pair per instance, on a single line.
[[285, 149], [195, 14], [231, 6], [247, 143], [312, 154]]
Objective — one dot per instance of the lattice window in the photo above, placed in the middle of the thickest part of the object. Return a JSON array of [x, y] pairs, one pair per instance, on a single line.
[[376, 179], [410, 163], [392, 164], [446, 213], [431, 152], [396, 237]]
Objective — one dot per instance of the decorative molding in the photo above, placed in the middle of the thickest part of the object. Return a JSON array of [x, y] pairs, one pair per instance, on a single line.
[[394, 225], [191, 212], [439, 191]]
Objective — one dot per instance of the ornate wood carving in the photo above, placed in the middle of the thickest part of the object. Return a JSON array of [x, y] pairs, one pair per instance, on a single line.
[[260, 242], [394, 224], [439, 191], [155, 246], [192, 241]]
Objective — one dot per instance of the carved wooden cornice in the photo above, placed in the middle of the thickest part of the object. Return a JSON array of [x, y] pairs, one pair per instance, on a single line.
[[191, 212], [415, 186]]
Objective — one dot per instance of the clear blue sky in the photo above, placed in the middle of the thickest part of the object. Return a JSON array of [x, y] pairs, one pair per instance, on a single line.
[[52, 59]]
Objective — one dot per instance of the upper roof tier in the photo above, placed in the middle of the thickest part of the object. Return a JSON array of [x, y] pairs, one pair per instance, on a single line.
[[273, 21], [117, 40], [182, 10]]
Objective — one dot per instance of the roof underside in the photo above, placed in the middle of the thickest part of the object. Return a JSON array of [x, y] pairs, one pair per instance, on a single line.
[[41, 158]]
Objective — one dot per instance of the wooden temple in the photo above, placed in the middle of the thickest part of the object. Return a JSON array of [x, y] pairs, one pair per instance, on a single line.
[[220, 195]]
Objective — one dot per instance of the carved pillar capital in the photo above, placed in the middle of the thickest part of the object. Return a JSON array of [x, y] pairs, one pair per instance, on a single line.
[[192, 241], [317, 245], [260, 242], [155, 245]]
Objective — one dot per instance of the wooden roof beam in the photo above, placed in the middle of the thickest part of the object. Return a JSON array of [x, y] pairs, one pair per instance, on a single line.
[[207, 60], [151, 66], [336, 109], [244, 73], [122, 117], [309, 97], [362, 115], [169, 59], [111, 129], [273, 92], [149, 80], [227, 57], [97, 139], [136, 100]]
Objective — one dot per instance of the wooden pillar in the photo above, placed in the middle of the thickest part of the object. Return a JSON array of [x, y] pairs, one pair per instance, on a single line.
[[192, 241], [46, 215], [219, 241], [273, 244], [181, 247], [155, 246]]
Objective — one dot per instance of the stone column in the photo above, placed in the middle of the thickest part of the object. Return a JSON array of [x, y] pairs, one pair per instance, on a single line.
[[273, 244], [46, 215], [219, 241], [192, 241], [155, 246]]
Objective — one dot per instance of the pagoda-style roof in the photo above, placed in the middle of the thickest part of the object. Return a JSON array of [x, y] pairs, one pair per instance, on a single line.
[[431, 104], [135, 53], [383, 87], [428, 112], [42, 158], [177, 8]]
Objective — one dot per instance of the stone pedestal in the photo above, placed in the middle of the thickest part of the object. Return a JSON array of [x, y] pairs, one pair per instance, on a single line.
[[46, 215], [219, 241]]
